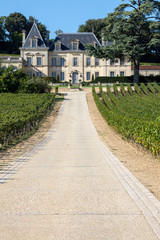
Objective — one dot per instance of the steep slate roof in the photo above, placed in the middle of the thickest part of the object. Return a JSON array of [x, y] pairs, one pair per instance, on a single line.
[[67, 38], [34, 32]]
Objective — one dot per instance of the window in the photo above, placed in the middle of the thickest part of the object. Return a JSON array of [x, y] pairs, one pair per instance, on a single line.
[[111, 62], [39, 74], [54, 74], [34, 43], [53, 61], [62, 61], [75, 61], [88, 76], [122, 73], [122, 61], [28, 61], [39, 62], [75, 46], [111, 74], [96, 74], [57, 47], [88, 61], [96, 62], [62, 76]]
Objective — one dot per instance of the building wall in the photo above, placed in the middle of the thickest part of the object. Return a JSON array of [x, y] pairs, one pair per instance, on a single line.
[[34, 68], [148, 72], [11, 61], [117, 68], [69, 69], [103, 68]]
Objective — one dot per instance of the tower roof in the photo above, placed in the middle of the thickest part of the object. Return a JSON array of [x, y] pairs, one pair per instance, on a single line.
[[34, 34]]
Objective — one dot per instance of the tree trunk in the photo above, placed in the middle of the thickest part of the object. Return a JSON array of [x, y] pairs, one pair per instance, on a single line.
[[136, 71]]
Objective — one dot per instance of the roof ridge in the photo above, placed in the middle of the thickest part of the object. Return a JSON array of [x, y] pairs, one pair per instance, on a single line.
[[77, 33]]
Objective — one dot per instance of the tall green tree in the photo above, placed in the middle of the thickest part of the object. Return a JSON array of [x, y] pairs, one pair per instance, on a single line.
[[3, 34], [93, 25], [15, 22], [59, 31], [13, 25], [133, 29]]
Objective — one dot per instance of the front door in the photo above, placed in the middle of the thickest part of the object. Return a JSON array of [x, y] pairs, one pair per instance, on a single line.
[[75, 77]]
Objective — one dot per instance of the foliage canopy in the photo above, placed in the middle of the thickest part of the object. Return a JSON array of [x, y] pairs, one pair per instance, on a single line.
[[133, 30]]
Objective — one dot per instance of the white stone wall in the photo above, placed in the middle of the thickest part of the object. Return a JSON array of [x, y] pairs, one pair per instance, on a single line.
[[69, 68], [103, 68], [6, 61], [34, 68], [148, 72], [117, 68]]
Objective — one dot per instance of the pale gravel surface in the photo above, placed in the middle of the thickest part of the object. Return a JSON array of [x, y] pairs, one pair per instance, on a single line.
[[140, 162], [72, 188]]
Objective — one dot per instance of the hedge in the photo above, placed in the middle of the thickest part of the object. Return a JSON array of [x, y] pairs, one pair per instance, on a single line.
[[129, 79]]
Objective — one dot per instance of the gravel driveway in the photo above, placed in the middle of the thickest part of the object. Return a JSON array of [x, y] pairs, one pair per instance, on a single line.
[[71, 187]]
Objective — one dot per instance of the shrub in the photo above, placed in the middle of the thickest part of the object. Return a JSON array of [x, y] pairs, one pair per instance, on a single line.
[[113, 79], [56, 90], [14, 81], [57, 78], [50, 79], [35, 85]]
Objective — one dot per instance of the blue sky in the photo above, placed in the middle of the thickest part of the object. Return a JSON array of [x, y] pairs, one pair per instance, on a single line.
[[55, 14]]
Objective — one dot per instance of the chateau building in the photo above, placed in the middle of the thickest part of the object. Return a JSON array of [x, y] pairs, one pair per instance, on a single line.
[[66, 58]]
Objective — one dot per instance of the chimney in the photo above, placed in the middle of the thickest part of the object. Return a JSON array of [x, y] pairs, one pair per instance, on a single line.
[[48, 32], [23, 36], [103, 41]]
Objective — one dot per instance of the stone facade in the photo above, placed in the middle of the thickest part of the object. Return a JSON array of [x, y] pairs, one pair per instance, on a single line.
[[66, 58], [148, 70], [6, 61]]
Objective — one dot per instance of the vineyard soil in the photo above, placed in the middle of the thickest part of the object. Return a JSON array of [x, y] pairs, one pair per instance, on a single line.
[[140, 162]]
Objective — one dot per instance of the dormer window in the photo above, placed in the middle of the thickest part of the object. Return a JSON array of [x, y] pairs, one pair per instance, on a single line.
[[58, 46], [75, 45], [34, 42], [94, 44]]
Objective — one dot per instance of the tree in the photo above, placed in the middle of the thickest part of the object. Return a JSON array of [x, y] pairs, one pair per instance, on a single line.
[[3, 34], [133, 29], [93, 25], [59, 31], [15, 22]]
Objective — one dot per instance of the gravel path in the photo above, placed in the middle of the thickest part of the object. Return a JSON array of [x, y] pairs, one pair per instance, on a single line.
[[71, 187]]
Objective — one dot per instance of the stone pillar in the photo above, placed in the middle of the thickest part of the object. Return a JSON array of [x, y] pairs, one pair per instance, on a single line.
[[48, 32], [103, 42], [23, 36]]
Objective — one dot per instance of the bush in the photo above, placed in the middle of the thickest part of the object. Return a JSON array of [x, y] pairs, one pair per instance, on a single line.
[[14, 81], [50, 80], [35, 85], [142, 79], [56, 90], [113, 79]]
